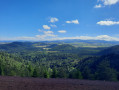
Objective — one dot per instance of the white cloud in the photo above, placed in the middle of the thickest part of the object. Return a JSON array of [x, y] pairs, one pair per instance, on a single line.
[[68, 22], [98, 6], [46, 35], [62, 31], [107, 38], [73, 21], [51, 36], [48, 32], [110, 2], [100, 37], [103, 3], [108, 23], [53, 19], [53, 25], [46, 27]]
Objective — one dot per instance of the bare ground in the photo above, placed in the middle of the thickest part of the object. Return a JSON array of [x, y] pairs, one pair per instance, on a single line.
[[19, 83]]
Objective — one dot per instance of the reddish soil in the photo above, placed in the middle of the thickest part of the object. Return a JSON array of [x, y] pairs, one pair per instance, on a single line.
[[19, 83]]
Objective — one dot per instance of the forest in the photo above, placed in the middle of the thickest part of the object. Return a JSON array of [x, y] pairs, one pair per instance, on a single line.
[[59, 60]]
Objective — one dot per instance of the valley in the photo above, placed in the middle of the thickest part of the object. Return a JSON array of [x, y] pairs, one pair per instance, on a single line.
[[59, 60]]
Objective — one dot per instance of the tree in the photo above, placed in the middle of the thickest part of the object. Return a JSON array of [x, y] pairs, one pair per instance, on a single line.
[[35, 73], [104, 72], [1, 70], [86, 72], [30, 70], [76, 74], [54, 73], [46, 74]]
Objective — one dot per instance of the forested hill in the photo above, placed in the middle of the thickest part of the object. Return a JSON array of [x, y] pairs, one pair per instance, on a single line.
[[64, 47], [105, 67], [11, 65], [18, 47], [54, 60], [110, 50]]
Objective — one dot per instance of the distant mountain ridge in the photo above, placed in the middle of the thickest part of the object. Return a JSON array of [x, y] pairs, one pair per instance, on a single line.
[[71, 41]]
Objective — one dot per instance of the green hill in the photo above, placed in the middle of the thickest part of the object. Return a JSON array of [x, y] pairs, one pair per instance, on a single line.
[[63, 47], [110, 50], [105, 67], [18, 47]]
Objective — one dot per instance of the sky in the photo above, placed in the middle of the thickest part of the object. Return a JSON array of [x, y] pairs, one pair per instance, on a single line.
[[41, 20]]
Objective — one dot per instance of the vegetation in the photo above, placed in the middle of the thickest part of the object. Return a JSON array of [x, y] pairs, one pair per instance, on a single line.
[[28, 59]]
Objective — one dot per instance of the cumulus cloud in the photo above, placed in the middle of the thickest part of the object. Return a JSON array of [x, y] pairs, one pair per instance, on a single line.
[[98, 6], [108, 23], [46, 27], [103, 3], [62, 31], [53, 25], [73, 21], [45, 35], [53, 19], [110, 2]]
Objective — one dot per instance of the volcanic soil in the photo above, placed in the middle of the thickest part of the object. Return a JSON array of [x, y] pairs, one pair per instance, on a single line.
[[23, 83]]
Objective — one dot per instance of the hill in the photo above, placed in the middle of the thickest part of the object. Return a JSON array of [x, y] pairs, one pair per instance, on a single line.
[[50, 60], [18, 47], [110, 50], [63, 47], [104, 67]]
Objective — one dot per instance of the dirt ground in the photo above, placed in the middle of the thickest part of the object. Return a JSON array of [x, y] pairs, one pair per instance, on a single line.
[[19, 83]]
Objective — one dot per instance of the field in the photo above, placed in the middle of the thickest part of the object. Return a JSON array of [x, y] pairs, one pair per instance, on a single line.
[[19, 83]]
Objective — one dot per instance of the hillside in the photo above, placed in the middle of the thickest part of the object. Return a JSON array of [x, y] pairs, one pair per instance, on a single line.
[[49, 60], [110, 50], [105, 67], [63, 47], [18, 47]]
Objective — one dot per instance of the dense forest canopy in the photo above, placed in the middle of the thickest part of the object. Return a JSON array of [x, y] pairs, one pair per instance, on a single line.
[[59, 60]]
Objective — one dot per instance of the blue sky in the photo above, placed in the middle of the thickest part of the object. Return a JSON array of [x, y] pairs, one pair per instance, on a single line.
[[59, 19]]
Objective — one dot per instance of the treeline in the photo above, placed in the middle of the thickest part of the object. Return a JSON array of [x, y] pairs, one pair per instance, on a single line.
[[60, 61], [50, 65], [11, 65], [105, 67]]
